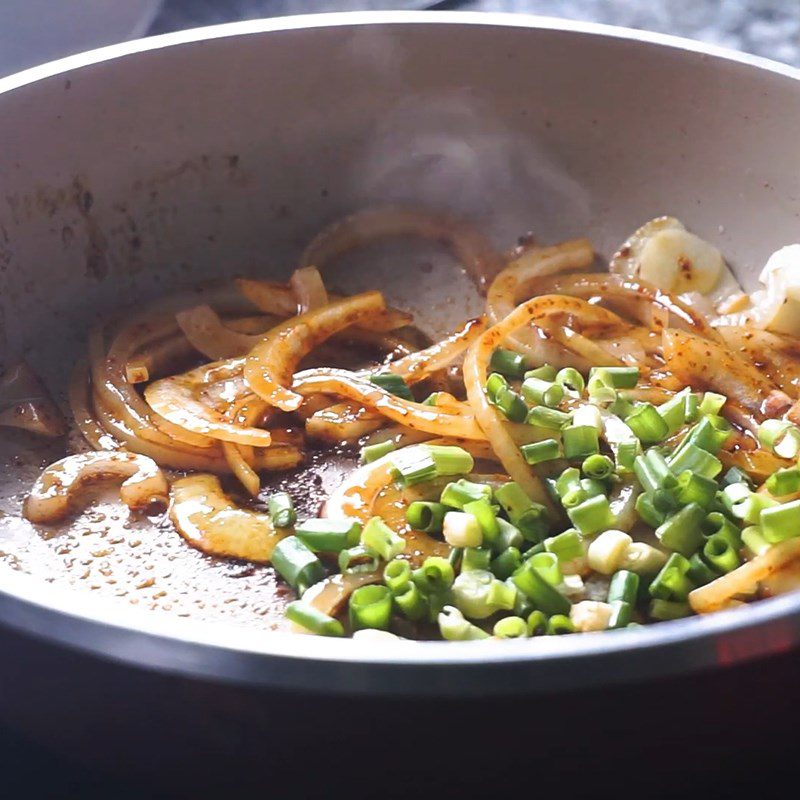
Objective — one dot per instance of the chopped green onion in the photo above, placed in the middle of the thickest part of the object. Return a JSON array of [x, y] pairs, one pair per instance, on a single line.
[[647, 424], [643, 559], [569, 482], [672, 582], [435, 576], [454, 556], [712, 403], [783, 482], [394, 384], [624, 586], [537, 623], [753, 539], [567, 546], [510, 536], [432, 399], [618, 377], [507, 563], [559, 624], [297, 564], [589, 415], [547, 372], [550, 418], [328, 535], [371, 607], [511, 404], [699, 572], [735, 475], [494, 383], [695, 459], [454, 628], [621, 614], [543, 596], [647, 511], [598, 466], [592, 515], [312, 619], [542, 393], [461, 492], [483, 511], [529, 517], [692, 408], [538, 452], [410, 602], [358, 559], [508, 363], [373, 452], [717, 524], [781, 522], [476, 558], [682, 531], [719, 552], [593, 487], [281, 510], [673, 412], [571, 379], [621, 407], [462, 530], [710, 434], [423, 462], [669, 609], [510, 628], [780, 436], [547, 566], [397, 575], [694, 488], [424, 516], [379, 538], [580, 441], [600, 387], [626, 454], [664, 500], [478, 594]]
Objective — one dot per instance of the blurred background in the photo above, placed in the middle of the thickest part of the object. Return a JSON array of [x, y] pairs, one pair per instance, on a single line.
[[34, 31]]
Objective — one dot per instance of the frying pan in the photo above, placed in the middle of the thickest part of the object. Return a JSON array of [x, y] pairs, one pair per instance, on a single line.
[[140, 168]]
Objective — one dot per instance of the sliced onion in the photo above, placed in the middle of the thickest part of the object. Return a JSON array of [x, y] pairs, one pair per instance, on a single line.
[[26, 403], [59, 486], [308, 288], [207, 333]]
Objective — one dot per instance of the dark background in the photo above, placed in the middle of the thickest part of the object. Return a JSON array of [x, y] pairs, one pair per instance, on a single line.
[[630, 744]]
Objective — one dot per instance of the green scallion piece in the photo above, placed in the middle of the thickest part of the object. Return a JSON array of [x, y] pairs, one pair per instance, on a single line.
[[544, 597], [781, 437], [410, 602], [673, 412], [549, 418], [380, 539], [600, 387], [710, 434], [699, 572], [753, 539], [478, 594], [372, 452], [397, 575], [592, 516], [781, 522], [695, 459], [394, 384], [547, 566], [328, 535], [672, 582], [568, 482], [567, 546], [297, 564], [621, 407], [626, 454], [542, 393], [537, 623], [647, 511], [423, 462], [692, 408], [510, 536], [432, 399], [458, 493], [571, 380], [455, 628], [593, 487], [494, 383], [621, 615], [717, 524], [510, 628], [580, 441], [683, 532], [598, 467], [281, 510], [647, 424], [508, 363], [371, 607], [783, 482], [559, 624], [538, 452], [547, 372], [694, 488], [507, 563], [712, 403], [307, 616], [511, 404], [436, 575], [624, 586], [357, 559], [425, 516], [735, 475], [484, 512], [719, 552], [664, 610], [618, 377]]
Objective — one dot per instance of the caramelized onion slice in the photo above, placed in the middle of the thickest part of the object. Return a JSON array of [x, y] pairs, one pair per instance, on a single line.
[[26, 403], [59, 486], [210, 521], [270, 365], [308, 288], [744, 581]]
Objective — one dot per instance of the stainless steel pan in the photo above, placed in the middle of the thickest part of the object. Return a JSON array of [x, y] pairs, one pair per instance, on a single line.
[[146, 166]]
